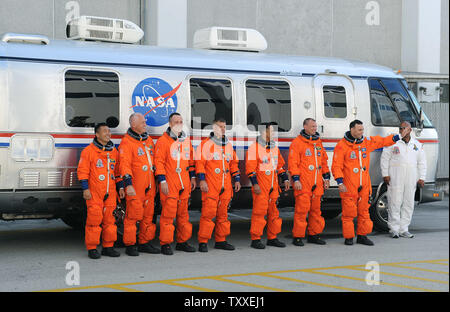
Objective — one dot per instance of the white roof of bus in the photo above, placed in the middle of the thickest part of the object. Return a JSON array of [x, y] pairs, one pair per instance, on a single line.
[[191, 59]]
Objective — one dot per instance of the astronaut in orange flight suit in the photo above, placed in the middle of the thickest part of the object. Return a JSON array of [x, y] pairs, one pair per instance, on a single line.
[[350, 169], [263, 165], [175, 171], [216, 163], [309, 170], [98, 172], [136, 152]]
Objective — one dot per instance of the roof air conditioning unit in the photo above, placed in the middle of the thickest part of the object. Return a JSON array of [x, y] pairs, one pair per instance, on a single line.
[[229, 38], [103, 29]]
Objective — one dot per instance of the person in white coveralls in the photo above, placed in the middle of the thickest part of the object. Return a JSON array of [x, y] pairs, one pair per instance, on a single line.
[[403, 166]]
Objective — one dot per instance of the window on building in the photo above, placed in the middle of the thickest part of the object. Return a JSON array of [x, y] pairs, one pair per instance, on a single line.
[[444, 92], [383, 111], [91, 97], [334, 101], [267, 101], [210, 99]]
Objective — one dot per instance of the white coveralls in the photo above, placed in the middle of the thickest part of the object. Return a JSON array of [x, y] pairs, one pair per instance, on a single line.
[[405, 164]]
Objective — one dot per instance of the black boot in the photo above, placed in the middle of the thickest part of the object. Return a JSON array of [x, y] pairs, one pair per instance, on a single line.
[[132, 251], [276, 243], [93, 254], [315, 239], [362, 239], [184, 247], [257, 244], [110, 252], [297, 241], [166, 250], [348, 241], [223, 245], [203, 247], [148, 248]]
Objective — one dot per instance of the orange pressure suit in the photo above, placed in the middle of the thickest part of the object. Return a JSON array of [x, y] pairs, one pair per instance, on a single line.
[[308, 164], [263, 165], [351, 166], [136, 167], [174, 161], [98, 171], [216, 162]]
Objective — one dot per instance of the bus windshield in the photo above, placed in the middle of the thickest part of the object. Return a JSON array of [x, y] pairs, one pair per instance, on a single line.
[[393, 102], [426, 121]]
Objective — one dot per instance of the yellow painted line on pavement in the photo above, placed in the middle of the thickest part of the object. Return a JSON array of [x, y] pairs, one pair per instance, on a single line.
[[363, 280], [189, 286], [248, 284], [311, 270], [405, 276], [309, 282], [439, 262], [126, 289], [415, 268]]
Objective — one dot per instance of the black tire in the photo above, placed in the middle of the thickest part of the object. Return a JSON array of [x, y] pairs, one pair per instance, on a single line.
[[331, 214], [379, 211], [75, 221]]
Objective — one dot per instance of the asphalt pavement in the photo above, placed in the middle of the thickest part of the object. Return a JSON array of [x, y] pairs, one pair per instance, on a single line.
[[47, 255]]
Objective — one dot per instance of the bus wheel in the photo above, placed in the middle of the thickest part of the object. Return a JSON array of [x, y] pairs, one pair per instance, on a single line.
[[379, 213], [75, 221], [331, 214]]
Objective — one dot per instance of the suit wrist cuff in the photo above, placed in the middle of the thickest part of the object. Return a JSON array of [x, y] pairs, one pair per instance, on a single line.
[[84, 184], [283, 176], [340, 181], [161, 178], [253, 180], [127, 180], [119, 185]]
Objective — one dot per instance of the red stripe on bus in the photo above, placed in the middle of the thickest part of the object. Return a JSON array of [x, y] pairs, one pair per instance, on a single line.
[[119, 136]]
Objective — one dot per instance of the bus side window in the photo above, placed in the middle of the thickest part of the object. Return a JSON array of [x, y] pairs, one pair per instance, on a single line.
[[91, 97], [383, 111], [268, 100], [210, 99], [334, 101]]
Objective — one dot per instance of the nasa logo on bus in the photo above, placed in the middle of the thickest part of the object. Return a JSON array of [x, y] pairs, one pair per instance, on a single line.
[[156, 100]]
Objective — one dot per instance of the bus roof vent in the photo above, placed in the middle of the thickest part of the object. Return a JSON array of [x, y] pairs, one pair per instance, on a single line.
[[103, 29], [25, 38], [229, 38]]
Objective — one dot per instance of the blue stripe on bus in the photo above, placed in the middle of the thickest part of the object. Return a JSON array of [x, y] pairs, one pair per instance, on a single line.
[[163, 67]]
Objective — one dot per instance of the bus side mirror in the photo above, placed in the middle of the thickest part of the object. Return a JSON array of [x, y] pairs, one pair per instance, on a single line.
[[420, 123], [421, 119]]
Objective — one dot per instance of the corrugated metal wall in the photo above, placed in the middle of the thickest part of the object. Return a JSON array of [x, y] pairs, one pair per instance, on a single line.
[[438, 114]]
